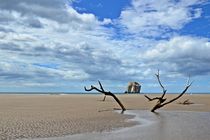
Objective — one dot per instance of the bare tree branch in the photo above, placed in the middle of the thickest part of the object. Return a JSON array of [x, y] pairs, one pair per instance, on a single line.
[[151, 99], [164, 90], [161, 99], [101, 90], [101, 85], [183, 92]]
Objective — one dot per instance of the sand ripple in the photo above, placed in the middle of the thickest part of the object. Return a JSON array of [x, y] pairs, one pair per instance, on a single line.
[[51, 116]]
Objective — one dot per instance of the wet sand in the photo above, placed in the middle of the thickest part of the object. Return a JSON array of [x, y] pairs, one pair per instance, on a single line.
[[166, 125], [40, 116]]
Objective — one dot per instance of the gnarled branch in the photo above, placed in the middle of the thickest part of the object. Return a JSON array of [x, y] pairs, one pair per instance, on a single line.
[[106, 93], [161, 100], [183, 92]]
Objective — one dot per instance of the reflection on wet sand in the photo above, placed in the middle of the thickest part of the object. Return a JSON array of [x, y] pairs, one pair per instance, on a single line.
[[165, 125]]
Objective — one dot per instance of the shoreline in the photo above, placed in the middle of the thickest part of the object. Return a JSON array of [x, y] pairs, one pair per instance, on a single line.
[[38, 116]]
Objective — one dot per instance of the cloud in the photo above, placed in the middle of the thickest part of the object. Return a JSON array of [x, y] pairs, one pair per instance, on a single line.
[[10, 47], [48, 43], [154, 18], [37, 14], [183, 54], [46, 9]]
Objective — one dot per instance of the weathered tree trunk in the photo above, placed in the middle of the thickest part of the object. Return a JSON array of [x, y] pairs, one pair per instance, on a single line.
[[101, 90]]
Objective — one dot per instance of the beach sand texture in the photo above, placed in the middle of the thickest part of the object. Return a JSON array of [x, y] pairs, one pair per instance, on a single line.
[[165, 125], [38, 116]]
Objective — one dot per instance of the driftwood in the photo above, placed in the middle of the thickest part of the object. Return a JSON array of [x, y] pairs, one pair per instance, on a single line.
[[186, 102], [161, 100], [104, 98], [106, 93]]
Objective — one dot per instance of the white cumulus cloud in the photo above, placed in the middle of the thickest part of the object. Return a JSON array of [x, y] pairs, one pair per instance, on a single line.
[[153, 18]]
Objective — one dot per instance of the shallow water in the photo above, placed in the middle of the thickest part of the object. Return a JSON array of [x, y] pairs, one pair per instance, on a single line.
[[164, 125]]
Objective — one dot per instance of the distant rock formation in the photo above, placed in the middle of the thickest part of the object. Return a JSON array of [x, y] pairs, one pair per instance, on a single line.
[[133, 87]]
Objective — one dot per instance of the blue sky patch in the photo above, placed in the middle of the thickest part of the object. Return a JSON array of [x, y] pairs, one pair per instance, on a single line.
[[101, 8]]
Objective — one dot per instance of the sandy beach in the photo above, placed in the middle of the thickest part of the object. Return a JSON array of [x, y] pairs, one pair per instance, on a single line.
[[60, 116]]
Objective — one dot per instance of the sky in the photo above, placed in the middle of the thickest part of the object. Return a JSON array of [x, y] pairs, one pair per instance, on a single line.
[[64, 45]]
